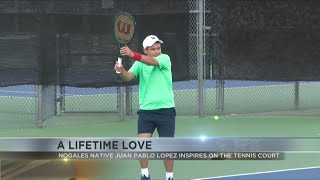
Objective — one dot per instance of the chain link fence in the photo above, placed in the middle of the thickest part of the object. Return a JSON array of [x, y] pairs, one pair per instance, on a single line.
[[18, 107], [18, 103]]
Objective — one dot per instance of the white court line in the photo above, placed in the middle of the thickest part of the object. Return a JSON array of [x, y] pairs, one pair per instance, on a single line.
[[301, 152], [263, 172], [231, 88], [18, 97], [88, 95], [28, 92], [247, 87]]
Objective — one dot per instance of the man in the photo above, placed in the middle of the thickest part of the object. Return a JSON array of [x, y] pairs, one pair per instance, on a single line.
[[156, 99]]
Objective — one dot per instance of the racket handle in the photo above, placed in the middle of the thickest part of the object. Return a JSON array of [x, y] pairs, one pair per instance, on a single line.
[[119, 64]]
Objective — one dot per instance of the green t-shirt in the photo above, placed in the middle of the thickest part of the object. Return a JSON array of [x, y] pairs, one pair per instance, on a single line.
[[155, 86]]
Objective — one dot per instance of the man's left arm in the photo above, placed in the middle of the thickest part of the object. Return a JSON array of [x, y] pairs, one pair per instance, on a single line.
[[163, 61], [151, 61]]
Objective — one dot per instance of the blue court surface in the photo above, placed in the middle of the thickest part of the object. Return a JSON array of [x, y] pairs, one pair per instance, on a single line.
[[309, 173]]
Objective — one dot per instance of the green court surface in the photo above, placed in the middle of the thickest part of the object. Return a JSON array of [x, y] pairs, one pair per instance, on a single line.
[[284, 124], [281, 124]]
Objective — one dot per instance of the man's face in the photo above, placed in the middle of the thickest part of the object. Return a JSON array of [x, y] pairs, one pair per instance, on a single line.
[[153, 51]]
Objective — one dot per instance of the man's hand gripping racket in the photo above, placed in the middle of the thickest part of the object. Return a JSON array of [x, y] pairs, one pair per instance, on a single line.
[[124, 27]]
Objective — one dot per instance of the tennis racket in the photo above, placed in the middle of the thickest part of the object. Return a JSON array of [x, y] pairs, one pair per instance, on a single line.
[[124, 27]]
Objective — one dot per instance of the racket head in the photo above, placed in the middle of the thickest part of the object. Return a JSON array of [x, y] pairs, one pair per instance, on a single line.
[[124, 27]]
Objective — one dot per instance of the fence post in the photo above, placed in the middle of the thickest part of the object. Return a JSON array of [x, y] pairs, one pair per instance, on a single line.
[[296, 95], [200, 55], [129, 101], [220, 95], [39, 106], [121, 102]]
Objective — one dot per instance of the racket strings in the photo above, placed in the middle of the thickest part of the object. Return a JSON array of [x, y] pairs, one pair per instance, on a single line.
[[124, 28]]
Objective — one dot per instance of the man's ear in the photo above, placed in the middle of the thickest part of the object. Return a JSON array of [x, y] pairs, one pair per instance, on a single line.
[[145, 50]]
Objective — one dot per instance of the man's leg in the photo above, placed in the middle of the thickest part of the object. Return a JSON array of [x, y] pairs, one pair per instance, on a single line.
[[145, 129], [166, 128], [144, 163], [168, 164]]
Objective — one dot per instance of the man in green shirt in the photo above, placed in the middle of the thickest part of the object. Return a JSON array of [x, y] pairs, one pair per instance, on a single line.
[[156, 99]]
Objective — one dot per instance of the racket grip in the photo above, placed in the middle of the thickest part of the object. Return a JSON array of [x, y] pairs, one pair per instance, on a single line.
[[119, 63]]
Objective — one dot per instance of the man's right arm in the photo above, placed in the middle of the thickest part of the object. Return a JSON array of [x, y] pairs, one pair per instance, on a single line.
[[126, 75]]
